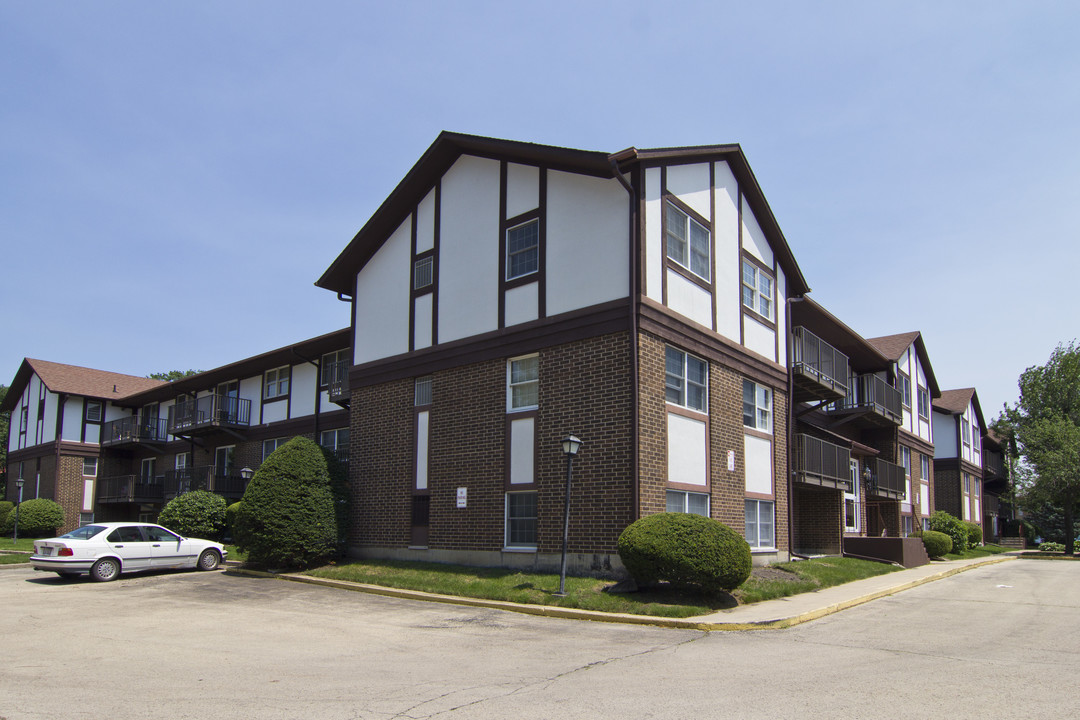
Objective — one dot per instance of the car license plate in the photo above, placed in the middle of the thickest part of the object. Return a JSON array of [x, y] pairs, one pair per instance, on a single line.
[[46, 551]]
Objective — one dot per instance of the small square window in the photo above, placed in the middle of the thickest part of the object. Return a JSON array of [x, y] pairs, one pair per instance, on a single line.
[[89, 467], [93, 411], [423, 272], [422, 391], [523, 383], [523, 249], [270, 446]]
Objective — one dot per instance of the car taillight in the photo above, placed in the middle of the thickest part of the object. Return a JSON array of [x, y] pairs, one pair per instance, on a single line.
[[65, 552]]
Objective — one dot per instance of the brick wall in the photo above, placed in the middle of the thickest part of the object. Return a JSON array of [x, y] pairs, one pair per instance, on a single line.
[[947, 491], [69, 490], [818, 519]]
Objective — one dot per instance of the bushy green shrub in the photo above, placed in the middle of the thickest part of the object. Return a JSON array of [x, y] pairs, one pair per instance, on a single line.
[[689, 551], [6, 506], [339, 486], [974, 534], [1052, 547], [937, 544], [231, 512], [197, 514], [38, 518], [288, 517], [955, 528]]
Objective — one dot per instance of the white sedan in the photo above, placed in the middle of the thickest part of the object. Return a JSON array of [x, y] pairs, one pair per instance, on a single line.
[[107, 549]]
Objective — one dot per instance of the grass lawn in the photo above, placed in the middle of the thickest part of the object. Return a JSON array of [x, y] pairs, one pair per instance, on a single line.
[[984, 551], [24, 544], [588, 593]]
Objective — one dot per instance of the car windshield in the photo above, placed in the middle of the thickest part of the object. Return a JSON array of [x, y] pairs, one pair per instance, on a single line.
[[84, 533]]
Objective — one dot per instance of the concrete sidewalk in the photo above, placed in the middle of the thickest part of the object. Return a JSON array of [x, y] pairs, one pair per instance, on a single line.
[[770, 614]]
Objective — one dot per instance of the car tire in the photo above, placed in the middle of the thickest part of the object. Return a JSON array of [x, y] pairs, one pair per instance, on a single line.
[[209, 560], [105, 569]]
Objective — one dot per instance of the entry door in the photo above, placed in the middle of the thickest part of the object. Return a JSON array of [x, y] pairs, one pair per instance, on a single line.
[[223, 461], [851, 500], [229, 393]]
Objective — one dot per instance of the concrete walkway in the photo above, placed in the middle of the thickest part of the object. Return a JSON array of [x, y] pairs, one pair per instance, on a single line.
[[770, 614]]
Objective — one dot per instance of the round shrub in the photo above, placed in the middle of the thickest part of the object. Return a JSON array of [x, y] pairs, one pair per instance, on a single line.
[[231, 512], [38, 518], [943, 522], [1052, 547], [688, 551], [198, 514], [287, 518], [937, 544], [974, 534], [6, 506]]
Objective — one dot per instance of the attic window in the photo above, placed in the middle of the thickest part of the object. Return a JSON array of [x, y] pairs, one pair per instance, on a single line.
[[93, 411]]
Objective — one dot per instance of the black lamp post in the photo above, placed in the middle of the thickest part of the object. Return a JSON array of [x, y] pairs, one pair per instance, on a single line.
[[19, 485], [570, 446], [246, 473]]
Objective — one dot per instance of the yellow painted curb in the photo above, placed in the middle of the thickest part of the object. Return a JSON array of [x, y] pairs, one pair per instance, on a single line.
[[595, 616]]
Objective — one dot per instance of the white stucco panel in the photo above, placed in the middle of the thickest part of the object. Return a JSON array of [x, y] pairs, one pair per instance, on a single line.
[[522, 189], [49, 421], [726, 263], [654, 248], [754, 241], [468, 249], [759, 465], [759, 337], [690, 183], [522, 304], [689, 299], [781, 315], [73, 416], [522, 451], [588, 242], [305, 380], [382, 299], [275, 411], [944, 435], [422, 318], [425, 223], [687, 450]]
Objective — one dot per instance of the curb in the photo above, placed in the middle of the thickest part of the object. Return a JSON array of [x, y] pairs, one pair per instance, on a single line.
[[692, 623]]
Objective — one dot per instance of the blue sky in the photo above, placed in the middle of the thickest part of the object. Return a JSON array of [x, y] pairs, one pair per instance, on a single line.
[[174, 177]]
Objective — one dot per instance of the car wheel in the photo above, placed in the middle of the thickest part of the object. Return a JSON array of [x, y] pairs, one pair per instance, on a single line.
[[105, 569], [209, 560]]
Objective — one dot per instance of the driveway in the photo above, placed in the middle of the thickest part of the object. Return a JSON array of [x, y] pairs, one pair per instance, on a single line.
[[998, 639]]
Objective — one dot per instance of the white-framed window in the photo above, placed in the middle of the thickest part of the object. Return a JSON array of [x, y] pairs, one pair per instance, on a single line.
[[523, 249], [924, 467], [686, 380], [329, 363], [86, 519], [908, 526], [757, 289], [679, 501], [24, 419], [148, 469], [905, 460], [521, 520], [182, 461], [903, 383], [975, 439], [924, 403], [760, 529], [337, 441], [757, 406], [423, 272], [688, 242], [89, 467], [523, 383], [276, 383], [422, 391], [965, 431], [224, 457], [93, 411], [270, 446]]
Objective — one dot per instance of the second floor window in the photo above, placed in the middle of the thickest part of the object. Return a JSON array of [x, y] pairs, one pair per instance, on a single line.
[[523, 249], [924, 403], [686, 380], [757, 290], [903, 384], [965, 431], [270, 446], [277, 383], [688, 242], [757, 406], [331, 362]]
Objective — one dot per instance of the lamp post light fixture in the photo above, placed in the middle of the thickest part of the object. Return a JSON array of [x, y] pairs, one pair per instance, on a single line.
[[247, 473], [570, 447], [19, 485]]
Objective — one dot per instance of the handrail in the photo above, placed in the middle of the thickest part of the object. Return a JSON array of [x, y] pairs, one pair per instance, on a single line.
[[812, 355]]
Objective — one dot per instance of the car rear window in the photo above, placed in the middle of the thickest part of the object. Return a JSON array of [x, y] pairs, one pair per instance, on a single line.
[[84, 533]]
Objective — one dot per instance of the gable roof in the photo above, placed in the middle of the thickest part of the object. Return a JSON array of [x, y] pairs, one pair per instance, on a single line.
[[893, 346], [75, 380], [448, 147], [955, 402]]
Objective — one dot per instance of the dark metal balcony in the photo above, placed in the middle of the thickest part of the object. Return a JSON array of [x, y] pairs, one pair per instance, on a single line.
[[820, 371], [871, 400], [822, 463], [993, 466], [130, 489], [887, 479], [229, 484], [208, 414], [133, 431], [338, 381]]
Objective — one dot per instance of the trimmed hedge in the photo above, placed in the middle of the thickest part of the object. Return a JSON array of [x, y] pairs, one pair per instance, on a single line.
[[197, 514], [1052, 547], [288, 517], [955, 528], [974, 534], [688, 551], [6, 506], [231, 512], [937, 544], [38, 518]]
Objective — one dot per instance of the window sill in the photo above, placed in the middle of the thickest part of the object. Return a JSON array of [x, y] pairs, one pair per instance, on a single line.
[[519, 549], [763, 550]]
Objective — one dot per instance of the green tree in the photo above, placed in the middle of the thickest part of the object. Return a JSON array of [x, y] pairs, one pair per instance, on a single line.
[[1046, 419], [173, 375], [5, 421]]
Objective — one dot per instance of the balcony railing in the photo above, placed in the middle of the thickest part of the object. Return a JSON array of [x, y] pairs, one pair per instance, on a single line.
[[819, 369], [130, 489], [822, 463], [338, 379], [873, 398], [887, 479], [133, 430], [208, 413], [225, 482], [993, 466]]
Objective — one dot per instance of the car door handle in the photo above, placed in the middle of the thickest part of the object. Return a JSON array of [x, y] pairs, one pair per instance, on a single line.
[[156, 545]]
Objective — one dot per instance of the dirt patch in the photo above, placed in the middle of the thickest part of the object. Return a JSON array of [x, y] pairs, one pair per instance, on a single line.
[[767, 572]]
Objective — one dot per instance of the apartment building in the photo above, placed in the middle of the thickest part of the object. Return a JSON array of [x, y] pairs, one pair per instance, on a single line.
[[958, 458]]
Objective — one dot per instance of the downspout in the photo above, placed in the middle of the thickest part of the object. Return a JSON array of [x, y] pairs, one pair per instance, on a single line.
[[635, 485], [791, 425]]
